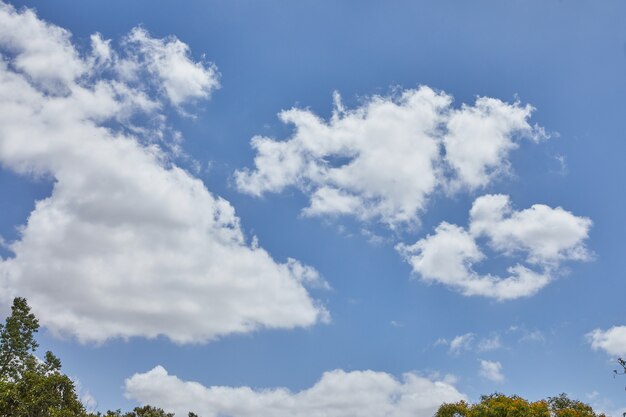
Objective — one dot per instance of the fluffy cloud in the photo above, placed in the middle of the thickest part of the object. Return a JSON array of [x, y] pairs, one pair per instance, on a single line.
[[542, 236], [382, 160], [492, 370], [127, 244], [612, 341], [336, 394], [545, 235]]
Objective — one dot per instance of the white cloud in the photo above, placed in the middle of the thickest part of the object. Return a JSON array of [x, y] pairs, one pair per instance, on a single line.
[[337, 394], [544, 236], [127, 244], [492, 370], [462, 342], [384, 159], [612, 341]]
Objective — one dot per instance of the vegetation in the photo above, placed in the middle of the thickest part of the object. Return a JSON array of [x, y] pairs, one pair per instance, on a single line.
[[500, 405]]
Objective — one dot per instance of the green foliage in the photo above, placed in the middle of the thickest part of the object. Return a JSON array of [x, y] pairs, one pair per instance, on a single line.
[[40, 394], [145, 411], [500, 405]]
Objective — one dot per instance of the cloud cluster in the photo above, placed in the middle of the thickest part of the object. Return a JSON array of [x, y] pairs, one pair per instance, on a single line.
[[540, 237], [337, 394], [384, 159], [612, 341], [127, 244]]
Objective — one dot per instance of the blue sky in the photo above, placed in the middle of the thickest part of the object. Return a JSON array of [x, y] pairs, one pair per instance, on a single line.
[[407, 155]]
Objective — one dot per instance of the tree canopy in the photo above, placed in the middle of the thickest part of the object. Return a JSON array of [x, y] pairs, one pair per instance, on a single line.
[[500, 405]]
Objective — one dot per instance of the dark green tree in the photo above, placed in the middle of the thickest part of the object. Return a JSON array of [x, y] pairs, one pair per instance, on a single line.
[[30, 387], [17, 341]]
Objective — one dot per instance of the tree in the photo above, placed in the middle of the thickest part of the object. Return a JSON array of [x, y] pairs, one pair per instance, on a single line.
[[500, 405], [30, 387], [17, 340]]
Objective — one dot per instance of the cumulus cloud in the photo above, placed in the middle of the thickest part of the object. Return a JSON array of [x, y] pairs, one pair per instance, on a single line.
[[612, 341], [540, 238], [337, 394], [492, 370], [384, 159], [545, 235], [128, 243]]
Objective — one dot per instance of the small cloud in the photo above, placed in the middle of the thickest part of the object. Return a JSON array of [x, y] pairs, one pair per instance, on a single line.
[[372, 238], [489, 343], [395, 323], [491, 370], [441, 342], [562, 165], [462, 342], [534, 336], [612, 341]]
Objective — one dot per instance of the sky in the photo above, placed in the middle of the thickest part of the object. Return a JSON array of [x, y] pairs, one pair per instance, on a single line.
[[317, 208]]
